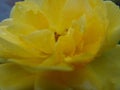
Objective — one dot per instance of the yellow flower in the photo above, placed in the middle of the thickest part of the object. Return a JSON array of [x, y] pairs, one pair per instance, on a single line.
[[61, 45]]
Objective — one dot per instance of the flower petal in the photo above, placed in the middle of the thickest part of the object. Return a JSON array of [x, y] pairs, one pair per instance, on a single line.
[[29, 13], [13, 77], [52, 9], [114, 24], [43, 40], [66, 45], [11, 46], [16, 28], [107, 68], [102, 74], [82, 79], [53, 62]]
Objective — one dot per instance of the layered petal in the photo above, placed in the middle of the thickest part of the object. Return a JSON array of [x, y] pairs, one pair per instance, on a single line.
[[12, 45], [53, 11], [43, 40], [102, 74], [16, 28], [87, 38]]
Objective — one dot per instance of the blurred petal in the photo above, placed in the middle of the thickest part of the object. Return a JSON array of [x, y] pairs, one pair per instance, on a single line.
[[13, 77], [82, 79], [6, 22], [114, 24], [107, 68]]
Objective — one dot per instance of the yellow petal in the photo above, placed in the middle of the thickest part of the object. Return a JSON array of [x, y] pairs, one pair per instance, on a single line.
[[43, 40], [107, 68], [13, 77], [52, 9], [66, 45], [74, 9], [17, 28], [12, 46], [88, 39], [53, 62], [114, 24], [29, 13], [102, 74], [20, 29]]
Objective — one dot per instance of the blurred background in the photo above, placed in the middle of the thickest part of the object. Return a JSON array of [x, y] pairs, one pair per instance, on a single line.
[[6, 5]]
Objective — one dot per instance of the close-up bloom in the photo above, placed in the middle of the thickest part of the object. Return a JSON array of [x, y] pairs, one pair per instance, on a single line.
[[60, 45]]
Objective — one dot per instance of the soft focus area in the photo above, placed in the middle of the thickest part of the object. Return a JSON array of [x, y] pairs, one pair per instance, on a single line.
[[59, 45]]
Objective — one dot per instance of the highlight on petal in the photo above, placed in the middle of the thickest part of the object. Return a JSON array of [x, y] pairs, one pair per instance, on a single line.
[[107, 68], [13, 77]]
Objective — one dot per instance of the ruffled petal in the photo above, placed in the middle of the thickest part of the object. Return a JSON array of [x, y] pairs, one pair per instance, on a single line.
[[13, 77]]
